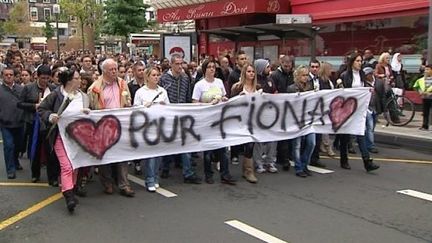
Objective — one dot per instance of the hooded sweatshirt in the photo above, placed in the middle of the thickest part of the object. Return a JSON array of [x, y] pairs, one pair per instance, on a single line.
[[265, 82]]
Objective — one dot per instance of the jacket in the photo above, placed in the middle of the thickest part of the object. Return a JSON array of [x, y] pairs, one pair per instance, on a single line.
[[95, 94], [50, 105], [29, 98], [10, 115], [178, 88], [347, 78], [282, 79]]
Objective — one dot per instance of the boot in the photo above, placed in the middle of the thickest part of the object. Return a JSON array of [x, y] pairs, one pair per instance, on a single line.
[[80, 188], [248, 171], [369, 164], [70, 200], [345, 165], [329, 151]]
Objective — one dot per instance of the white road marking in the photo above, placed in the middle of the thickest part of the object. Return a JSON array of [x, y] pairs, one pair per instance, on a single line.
[[316, 169], [160, 190], [253, 232], [417, 194]]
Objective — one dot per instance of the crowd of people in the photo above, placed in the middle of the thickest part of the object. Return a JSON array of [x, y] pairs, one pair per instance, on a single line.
[[37, 88]]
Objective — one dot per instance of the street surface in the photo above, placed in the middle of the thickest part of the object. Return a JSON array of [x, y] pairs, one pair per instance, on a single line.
[[341, 206]]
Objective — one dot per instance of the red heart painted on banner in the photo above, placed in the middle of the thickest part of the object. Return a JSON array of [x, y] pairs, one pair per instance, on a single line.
[[95, 138], [341, 110]]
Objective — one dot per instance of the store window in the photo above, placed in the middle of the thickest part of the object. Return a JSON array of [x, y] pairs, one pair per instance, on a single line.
[[47, 13]]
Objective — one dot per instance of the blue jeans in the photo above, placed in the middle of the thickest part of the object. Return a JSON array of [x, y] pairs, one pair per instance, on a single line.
[[186, 160], [370, 128], [301, 160], [222, 156], [12, 138], [152, 171]]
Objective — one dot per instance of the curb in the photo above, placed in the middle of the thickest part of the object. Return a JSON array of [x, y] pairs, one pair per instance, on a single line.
[[409, 142]]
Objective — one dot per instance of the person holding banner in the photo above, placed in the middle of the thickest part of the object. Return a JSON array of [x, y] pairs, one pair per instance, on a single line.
[[211, 90], [66, 98], [354, 77], [147, 95], [110, 92], [248, 84], [302, 158]]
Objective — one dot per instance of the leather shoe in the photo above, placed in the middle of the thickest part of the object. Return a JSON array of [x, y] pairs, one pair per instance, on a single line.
[[108, 189], [301, 174], [345, 166], [11, 176], [286, 166], [127, 192], [318, 164], [307, 172], [164, 174], [209, 180], [228, 180], [193, 179], [373, 150]]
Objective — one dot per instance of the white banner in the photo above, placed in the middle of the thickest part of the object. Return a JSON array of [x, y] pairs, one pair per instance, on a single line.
[[116, 135]]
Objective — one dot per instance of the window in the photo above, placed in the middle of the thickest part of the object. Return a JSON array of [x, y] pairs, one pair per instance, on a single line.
[[74, 31], [46, 1], [32, 1], [73, 19], [33, 13], [47, 13]]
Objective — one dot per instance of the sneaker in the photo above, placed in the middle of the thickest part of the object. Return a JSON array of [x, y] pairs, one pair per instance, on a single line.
[[272, 168], [218, 166], [151, 189], [260, 169], [157, 185], [235, 160]]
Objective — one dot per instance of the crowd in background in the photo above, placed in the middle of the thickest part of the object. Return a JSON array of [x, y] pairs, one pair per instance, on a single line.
[[38, 87]]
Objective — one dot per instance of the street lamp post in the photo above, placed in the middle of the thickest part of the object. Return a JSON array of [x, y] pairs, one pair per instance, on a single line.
[[56, 11]]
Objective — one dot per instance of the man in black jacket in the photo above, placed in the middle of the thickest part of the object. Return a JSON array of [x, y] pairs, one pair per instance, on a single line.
[[283, 78], [31, 96], [11, 122]]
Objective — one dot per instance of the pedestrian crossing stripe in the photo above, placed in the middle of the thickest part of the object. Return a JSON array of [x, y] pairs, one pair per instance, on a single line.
[[416, 194]]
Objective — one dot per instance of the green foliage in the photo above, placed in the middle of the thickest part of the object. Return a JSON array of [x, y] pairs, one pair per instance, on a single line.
[[88, 12], [18, 22], [48, 30], [2, 32], [123, 17]]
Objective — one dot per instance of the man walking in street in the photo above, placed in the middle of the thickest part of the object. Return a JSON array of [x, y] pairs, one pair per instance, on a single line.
[[11, 122], [109, 92], [178, 87]]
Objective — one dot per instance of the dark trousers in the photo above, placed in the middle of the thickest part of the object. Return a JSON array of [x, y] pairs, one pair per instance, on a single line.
[[427, 103], [284, 148], [12, 138], [315, 154], [344, 140], [223, 158], [46, 153]]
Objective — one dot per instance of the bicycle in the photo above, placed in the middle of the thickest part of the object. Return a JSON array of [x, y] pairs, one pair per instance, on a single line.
[[398, 110]]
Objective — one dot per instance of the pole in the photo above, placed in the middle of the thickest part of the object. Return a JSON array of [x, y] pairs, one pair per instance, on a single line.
[[58, 36], [429, 56]]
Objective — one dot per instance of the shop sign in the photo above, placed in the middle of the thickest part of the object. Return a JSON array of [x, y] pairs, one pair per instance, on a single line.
[[221, 8]]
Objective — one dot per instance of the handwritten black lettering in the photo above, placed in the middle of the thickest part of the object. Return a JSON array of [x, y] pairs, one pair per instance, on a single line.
[[223, 119]]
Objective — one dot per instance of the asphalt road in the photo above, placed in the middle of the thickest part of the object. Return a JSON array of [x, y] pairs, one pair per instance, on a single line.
[[342, 206]]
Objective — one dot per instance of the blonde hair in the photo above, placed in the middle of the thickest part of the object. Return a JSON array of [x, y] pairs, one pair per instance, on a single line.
[[325, 71], [383, 57], [147, 73], [299, 71], [242, 80]]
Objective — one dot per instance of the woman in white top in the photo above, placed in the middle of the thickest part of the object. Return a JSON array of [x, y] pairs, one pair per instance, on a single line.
[[147, 95], [211, 90]]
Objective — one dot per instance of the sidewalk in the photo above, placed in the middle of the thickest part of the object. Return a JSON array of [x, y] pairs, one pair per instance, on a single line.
[[408, 136]]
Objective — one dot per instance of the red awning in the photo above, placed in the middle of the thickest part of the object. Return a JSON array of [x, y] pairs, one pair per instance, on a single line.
[[332, 11], [222, 8]]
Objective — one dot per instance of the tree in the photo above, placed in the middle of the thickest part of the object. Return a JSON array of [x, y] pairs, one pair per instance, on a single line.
[[88, 13], [123, 17], [48, 30], [18, 22], [2, 32]]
